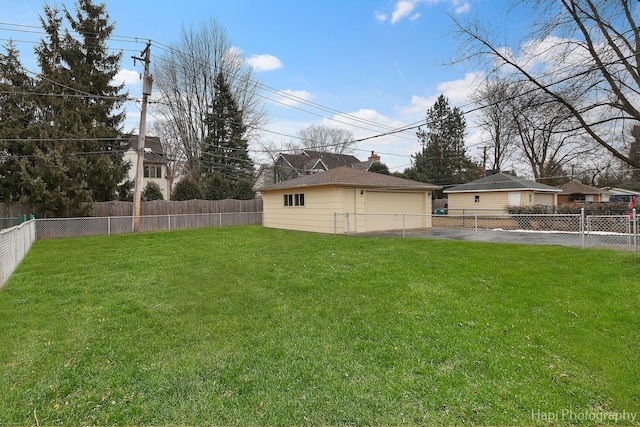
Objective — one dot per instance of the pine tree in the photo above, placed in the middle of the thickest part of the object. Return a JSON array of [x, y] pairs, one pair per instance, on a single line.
[[226, 149], [16, 116], [443, 159], [76, 127]]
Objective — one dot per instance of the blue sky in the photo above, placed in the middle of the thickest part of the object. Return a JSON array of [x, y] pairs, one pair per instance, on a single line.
[[380, 60]]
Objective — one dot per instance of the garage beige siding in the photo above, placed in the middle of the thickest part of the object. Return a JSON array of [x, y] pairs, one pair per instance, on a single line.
[[369, 210], [317, 215]]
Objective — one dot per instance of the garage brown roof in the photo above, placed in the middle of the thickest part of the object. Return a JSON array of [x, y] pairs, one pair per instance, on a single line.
[[351, 177]]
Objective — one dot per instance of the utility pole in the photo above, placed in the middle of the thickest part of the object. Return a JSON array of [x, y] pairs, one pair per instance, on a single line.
[[147, 82], [484, 161]]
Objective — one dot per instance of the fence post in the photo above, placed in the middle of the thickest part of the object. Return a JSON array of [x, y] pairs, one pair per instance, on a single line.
[[335, 223], [403, 224], [108, 226], [348, 228], [582, 231], [475, 225], [635, 229]]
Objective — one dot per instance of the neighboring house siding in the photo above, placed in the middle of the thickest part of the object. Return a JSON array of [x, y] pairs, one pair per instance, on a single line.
[[132, 157], [489, 202], [496, 201], [155, 159], [545, 199]]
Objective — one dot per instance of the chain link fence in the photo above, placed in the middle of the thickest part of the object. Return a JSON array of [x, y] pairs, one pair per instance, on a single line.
[[15, 242], [595, 231], [58, 228]]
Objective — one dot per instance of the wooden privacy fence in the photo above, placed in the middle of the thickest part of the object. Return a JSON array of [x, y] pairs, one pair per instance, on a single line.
[[157, 207], [170, 207]]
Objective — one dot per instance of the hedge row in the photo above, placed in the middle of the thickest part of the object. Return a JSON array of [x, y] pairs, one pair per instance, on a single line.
[[573, 208]]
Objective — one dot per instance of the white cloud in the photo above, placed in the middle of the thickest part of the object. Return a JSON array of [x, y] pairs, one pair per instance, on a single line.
[[128, 77], [458, 91], [382, 17], [265, 62], [402, 10], [463, 8]]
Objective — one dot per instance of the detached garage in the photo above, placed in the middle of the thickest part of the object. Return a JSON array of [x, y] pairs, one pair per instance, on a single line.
[[345, 200]]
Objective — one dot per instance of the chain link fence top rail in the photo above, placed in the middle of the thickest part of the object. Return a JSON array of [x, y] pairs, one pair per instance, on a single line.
[[15, 242], [598, 231]]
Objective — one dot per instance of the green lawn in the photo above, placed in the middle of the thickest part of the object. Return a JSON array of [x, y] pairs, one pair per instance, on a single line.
[[247, 326]]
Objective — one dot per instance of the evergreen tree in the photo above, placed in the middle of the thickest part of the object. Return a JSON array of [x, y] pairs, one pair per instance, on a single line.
[[218, 187], [76, 128], [152, 192], [443, 159], [226, 148], [243, 190], [16, 116], [186, 189]]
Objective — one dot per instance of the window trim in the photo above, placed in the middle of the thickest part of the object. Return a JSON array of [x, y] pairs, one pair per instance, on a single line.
[[152, 172], [293, 200]]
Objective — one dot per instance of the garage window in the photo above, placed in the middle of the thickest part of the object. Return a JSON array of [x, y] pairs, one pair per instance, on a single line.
[[294, 199], [476, 199]]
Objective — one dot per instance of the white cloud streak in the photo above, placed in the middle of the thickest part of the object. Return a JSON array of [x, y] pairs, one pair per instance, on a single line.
[[406, 9]]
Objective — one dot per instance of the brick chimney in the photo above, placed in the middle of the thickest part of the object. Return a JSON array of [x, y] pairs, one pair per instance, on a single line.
[[374, 157]]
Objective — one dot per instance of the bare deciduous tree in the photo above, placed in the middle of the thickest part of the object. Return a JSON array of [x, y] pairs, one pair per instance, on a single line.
[[547, 135], [185, 79], [590, 46], [496, 119], [324, 138]]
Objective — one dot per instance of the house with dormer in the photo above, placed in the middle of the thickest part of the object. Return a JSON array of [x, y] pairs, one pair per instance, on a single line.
[[155, 163]]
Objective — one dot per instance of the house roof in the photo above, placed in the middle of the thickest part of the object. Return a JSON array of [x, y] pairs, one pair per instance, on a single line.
[[575, 187], [332, 160], [346, 176], [311, 160], [620, 191], [501, 182], [153, 151]]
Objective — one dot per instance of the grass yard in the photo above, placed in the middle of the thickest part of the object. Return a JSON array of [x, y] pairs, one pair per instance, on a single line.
[[251, 326]]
